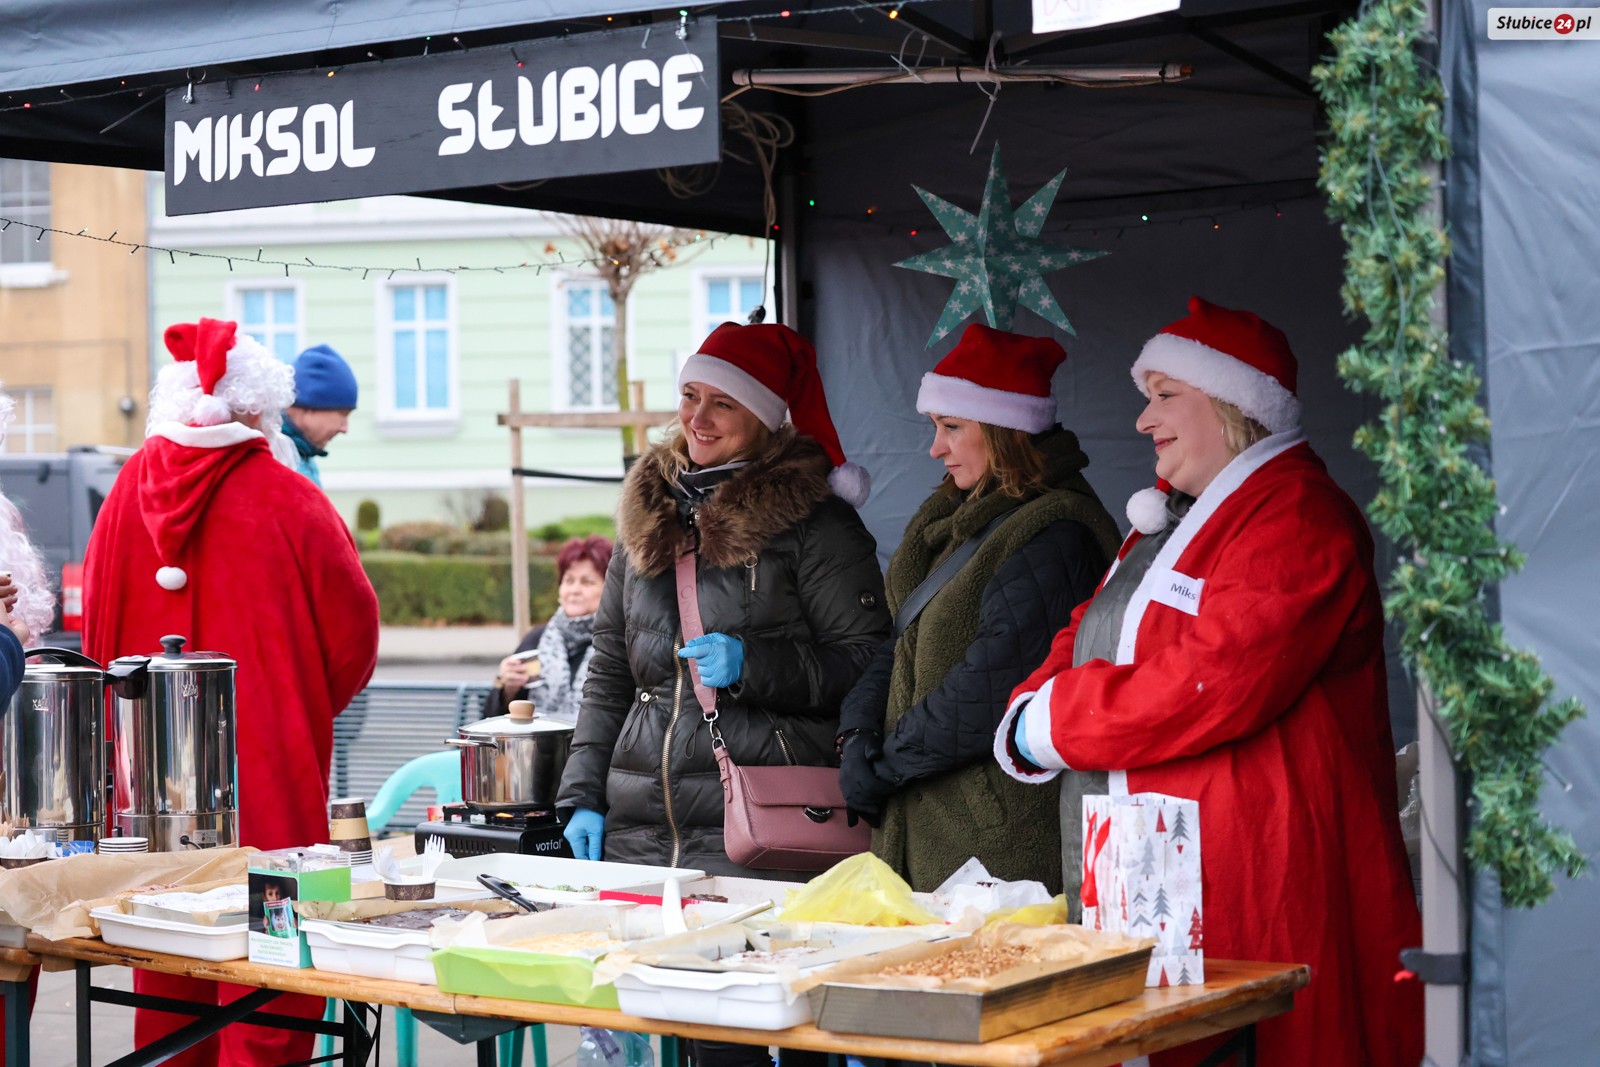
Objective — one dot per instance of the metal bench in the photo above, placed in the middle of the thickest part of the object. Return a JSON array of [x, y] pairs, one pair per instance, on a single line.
[[389, 723]]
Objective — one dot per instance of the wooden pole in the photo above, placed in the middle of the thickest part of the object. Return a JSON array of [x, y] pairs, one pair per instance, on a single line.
[[519, 518], [640, 428]]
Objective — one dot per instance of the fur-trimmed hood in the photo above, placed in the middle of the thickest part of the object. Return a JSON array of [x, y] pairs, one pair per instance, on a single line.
[[773, 492]]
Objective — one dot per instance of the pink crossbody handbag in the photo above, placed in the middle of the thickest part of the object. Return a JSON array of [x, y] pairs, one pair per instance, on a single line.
[[774, 818]]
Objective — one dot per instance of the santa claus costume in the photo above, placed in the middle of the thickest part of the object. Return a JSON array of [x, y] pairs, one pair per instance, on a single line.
[[207, 534], [1246, 672]]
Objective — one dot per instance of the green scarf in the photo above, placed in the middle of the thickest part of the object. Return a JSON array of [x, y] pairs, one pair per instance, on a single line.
[[935, 825]]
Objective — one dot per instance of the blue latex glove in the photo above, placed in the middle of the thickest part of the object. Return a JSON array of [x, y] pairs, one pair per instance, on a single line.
[[1019, 734], [585, 831], [721, 658]]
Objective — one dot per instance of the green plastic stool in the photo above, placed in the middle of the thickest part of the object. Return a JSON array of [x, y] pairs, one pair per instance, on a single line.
[[510, 1046]]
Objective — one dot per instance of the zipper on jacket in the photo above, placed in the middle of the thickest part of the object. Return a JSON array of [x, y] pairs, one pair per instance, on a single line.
[[666, 754], [783, 743], [750, 565]]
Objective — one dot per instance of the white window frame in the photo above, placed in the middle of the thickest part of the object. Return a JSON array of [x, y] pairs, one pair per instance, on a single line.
[[700, 322], [35, 273], [233, 294], [407, 422], [20, 436], [560, 358]]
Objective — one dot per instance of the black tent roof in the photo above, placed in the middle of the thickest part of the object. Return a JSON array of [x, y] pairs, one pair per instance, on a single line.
[[82, 83]]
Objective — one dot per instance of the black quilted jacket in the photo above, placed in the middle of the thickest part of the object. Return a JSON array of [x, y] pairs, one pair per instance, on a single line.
[[1024, 605], [785, 566]]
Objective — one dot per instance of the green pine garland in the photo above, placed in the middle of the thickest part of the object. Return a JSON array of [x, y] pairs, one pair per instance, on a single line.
[[1386, 136]]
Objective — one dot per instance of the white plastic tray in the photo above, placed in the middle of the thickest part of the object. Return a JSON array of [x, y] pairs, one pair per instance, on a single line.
[[533, 875], [215, 943], [401, 955], [716, 998]]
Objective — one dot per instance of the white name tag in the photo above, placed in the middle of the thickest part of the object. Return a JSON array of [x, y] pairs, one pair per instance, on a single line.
[[1177, 590]]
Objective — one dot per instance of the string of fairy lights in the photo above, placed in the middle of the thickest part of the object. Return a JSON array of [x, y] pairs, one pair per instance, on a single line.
[[1207, 218], [260, 259], [686, 24]]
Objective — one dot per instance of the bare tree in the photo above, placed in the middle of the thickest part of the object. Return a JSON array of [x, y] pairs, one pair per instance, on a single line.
[[621, 252]]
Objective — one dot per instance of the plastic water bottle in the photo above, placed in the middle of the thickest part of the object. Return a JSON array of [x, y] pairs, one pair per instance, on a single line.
[[613, 1048]]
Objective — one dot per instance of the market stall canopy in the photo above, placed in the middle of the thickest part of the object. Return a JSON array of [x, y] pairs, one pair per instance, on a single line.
[[85, 82]]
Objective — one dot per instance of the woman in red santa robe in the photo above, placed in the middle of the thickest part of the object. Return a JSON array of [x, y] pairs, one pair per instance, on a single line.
[[1234, 656], [209, 535]]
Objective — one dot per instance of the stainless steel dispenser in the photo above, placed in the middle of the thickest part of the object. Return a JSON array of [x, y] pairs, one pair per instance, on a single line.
[[52, 749], [176, 774]]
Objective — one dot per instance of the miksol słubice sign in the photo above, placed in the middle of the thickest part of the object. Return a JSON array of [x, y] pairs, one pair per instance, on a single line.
[[593, 104]]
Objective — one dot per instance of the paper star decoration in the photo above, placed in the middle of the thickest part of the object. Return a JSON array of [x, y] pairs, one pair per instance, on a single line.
[[996, 258]]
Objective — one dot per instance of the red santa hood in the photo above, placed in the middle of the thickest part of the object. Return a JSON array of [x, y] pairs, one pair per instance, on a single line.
[[177, 482]]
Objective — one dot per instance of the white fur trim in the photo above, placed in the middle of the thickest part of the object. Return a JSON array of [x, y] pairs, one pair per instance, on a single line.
[[1147, 510], [1219, 375], [1222, 486], [1200, 512], [229, 433], [961, 398], [172, 578], [851, 483], [738, 383], [211, 411], [1002, 742], [1036, 725]]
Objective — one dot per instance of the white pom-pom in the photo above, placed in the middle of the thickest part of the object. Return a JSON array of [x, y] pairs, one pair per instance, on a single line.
[[1147, 510], [211, 411], [851, 483], [172, 578]]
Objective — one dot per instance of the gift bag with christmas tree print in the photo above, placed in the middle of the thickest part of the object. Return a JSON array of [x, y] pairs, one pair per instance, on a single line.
[[1141, 876]]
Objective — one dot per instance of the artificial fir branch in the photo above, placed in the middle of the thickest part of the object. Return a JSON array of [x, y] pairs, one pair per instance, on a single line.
[[1436, 503]]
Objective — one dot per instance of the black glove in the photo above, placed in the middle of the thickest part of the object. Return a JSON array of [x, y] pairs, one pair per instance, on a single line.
[[864, 790]]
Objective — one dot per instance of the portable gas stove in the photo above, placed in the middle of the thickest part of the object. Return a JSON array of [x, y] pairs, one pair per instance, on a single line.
[[469, 830]]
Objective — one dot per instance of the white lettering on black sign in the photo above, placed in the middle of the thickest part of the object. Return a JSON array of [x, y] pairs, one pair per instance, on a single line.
[[542, 109]]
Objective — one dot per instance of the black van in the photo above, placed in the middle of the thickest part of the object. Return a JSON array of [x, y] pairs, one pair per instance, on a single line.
[[59, 495]]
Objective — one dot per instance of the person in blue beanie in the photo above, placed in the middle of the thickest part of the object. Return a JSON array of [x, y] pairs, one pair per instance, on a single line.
[[325, 394]]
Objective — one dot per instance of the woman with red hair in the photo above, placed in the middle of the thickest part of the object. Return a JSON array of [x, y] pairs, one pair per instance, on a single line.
[[552, 661]]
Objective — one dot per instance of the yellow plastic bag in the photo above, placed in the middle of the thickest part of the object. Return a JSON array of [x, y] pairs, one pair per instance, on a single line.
[[862, 891], [1051, 914]]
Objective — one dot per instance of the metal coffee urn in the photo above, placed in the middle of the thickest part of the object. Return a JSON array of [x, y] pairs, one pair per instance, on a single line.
[[52, 750], [176, 775]]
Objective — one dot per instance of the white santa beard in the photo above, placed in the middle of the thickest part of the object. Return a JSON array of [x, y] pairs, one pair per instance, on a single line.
[[36, 600]]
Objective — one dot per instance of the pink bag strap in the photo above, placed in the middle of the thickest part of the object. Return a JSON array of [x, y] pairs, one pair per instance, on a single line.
[[689, 622]]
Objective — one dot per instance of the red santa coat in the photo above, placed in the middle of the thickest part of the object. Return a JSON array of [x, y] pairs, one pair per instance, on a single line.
[[1250, 677], [273, 580]]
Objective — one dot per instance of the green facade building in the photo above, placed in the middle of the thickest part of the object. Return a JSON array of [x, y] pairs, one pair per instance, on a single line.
[[434, 348]]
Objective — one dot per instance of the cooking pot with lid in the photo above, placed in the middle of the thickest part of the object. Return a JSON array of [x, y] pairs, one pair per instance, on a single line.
[[513, 760]]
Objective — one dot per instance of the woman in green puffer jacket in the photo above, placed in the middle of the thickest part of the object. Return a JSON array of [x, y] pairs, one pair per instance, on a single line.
[[917, 732]]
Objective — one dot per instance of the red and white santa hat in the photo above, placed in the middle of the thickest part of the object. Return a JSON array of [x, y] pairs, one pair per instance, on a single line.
[[996, 377], [216, 373], [770, 369], [1230, 355]]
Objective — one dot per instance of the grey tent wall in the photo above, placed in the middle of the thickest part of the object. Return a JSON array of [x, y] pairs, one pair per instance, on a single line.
[[871, 321], [1538, 127]]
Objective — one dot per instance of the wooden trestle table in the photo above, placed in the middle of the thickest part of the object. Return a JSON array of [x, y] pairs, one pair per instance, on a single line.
[[1235, 996]]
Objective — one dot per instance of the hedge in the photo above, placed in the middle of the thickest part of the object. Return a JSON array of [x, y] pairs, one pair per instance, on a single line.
[[419, 590]]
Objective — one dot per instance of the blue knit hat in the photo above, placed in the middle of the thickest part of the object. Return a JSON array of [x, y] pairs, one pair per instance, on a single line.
[[322, 379]]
